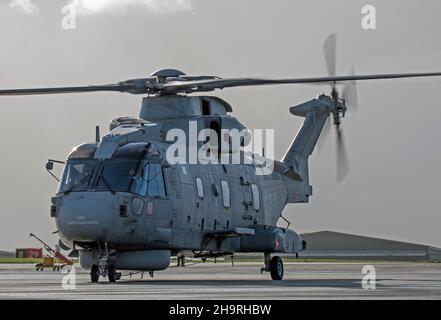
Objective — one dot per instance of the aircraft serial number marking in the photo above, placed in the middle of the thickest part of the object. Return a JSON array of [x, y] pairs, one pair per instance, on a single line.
[[76, 222]]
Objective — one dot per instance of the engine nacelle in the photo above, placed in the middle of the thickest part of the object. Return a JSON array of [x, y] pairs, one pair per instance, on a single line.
[[142, 260]]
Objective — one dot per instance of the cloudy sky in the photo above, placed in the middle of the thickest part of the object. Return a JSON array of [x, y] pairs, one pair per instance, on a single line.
[[393, 189]]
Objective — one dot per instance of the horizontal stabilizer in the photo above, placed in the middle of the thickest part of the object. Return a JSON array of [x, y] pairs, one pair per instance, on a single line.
[[281, 168]]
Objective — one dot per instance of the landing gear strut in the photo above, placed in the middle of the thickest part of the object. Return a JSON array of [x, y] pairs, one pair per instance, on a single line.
[[181, 260], [94, 274], [105, 267], [111, 273], [274, 266]]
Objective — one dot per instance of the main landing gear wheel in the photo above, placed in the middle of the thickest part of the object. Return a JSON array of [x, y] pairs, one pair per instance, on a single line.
[[111, 273], [94, 274], [276, 268]]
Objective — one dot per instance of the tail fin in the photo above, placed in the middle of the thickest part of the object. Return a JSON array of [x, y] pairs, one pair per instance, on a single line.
[[315, 112]]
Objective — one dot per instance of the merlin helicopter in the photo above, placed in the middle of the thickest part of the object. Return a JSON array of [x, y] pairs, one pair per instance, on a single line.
[[122, 204]]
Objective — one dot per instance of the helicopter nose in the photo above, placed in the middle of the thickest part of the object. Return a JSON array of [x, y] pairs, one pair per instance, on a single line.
[[86, 216]]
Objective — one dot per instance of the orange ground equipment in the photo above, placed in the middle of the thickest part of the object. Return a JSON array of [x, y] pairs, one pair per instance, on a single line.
[[54, 259]]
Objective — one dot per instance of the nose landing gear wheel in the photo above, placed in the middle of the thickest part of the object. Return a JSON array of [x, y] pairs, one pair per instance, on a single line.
[[276, 268], [111, 273], [94, 274]]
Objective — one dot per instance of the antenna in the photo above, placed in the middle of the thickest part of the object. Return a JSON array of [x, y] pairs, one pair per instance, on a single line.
[[97, 134]]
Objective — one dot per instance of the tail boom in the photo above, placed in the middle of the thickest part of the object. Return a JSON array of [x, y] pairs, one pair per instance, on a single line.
[[315, 112]]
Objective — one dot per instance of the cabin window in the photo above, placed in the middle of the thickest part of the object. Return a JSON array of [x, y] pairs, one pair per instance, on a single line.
[[200, 188], [205, 107], [256, 196], [226, 194]]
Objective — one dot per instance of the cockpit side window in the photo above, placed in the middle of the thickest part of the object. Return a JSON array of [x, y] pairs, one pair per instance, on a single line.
[[151, 181], [156, 186]]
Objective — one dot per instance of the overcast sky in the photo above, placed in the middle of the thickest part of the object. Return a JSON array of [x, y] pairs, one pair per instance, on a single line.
[[393, 188]]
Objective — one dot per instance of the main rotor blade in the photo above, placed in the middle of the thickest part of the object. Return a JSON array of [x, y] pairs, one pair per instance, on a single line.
[[209, 85], [150, 86], [342, 160], [330, 51], [40, 91], [134, 86]]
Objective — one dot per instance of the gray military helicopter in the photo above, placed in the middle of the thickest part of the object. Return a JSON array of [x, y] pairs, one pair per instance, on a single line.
[[123, 206]]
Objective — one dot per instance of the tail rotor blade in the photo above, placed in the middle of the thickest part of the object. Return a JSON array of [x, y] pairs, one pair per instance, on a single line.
[[349, 93], [342, 160], [330, 51]]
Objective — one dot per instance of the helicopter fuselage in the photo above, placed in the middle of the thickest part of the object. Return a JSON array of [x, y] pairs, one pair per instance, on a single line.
[[123, 199]]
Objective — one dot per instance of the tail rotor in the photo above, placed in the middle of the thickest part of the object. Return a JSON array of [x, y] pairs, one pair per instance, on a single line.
[[339, 104]]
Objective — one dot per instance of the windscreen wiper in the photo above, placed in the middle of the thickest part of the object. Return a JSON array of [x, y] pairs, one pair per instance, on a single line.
[[78, 184], [107, 184]]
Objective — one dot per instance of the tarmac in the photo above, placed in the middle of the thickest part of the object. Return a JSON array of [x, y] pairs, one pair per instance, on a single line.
[[310, 280]]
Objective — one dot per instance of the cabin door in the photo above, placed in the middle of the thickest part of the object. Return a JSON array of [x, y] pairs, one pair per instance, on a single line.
[[246, 179]]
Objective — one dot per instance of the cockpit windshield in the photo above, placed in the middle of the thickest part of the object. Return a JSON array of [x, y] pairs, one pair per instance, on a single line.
[[142, 177], [134, 167], [117, 175]]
